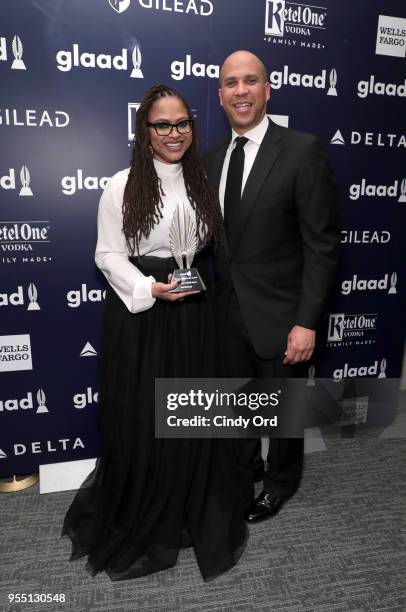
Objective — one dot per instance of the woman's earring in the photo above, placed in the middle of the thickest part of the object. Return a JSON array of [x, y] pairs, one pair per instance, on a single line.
[[151, 150]]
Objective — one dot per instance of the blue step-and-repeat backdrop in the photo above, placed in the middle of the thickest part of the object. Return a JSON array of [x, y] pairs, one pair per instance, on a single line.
[[72, 75]]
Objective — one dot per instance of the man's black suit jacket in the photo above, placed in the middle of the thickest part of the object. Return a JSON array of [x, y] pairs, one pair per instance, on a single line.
[[282, 255]]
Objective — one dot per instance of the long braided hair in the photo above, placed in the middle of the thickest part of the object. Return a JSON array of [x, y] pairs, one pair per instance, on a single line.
[[142, 205]]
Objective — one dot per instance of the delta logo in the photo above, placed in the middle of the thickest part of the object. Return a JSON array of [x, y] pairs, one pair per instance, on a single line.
[[369, 139]]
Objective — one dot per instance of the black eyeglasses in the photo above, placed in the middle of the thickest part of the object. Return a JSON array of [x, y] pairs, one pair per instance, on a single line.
[[164, 129]]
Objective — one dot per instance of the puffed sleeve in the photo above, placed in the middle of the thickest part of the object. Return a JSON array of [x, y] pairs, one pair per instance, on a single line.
[[111, 253]]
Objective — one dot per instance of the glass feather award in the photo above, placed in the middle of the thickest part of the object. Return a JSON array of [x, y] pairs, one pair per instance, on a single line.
[[183, 242]]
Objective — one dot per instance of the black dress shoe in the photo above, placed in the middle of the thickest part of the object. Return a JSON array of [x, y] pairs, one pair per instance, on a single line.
[[265, 505]]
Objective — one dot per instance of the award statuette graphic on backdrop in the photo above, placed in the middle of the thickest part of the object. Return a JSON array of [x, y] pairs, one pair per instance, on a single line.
[[183, 244]]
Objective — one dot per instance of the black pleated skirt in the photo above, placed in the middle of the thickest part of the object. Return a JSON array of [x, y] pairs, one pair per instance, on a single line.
[[148, 497]]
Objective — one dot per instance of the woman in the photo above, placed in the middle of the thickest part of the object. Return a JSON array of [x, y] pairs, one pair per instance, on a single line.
[[148, 497]]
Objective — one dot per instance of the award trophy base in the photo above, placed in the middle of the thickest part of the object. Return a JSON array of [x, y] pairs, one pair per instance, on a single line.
[[191, 280]]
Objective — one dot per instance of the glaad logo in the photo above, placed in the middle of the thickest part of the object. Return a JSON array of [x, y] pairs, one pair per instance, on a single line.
[[23, 237], [278, 78], [344, 328], [119, 5], [391, 36], [76, 297], [357, 191], [25, 403], [2, 454], [356, 284], [15, 353], [370, 139], [180, 69], [8, 181], [71, 184], [365, 237], [381, 89], [292, 19], [66, 60], [81, 400], [17, 298], [17, 49], [352, 372], [49, 446], [88, 351]]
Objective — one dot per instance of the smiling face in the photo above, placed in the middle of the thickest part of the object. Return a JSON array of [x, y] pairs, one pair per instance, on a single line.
[[243, 91], [169, 149]]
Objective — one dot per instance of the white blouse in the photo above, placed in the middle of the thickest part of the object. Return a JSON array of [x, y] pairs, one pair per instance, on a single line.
[[112, 252]]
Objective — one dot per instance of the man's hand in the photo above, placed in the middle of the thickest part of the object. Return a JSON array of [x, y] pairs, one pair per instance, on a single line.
[[301, 343], [162, 291]]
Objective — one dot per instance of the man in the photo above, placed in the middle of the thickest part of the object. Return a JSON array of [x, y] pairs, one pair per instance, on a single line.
[[277, 263]]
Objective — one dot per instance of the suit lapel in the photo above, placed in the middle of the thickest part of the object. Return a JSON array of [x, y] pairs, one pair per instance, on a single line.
[[264, 161]]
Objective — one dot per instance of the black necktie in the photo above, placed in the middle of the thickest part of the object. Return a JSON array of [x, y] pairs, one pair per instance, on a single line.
[[232, 195]]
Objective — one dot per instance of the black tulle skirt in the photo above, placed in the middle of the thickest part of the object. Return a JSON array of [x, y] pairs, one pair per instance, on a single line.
[[148, 497]]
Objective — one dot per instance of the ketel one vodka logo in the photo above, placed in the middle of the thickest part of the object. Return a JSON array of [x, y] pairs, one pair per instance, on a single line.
[[376, 369], [284, 20], [8, 181], [66, 60], [25, 403], [344, 328], [120, 5], [17, 298], [364, 189], [278, 78], [17, 50], [372, 284]]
